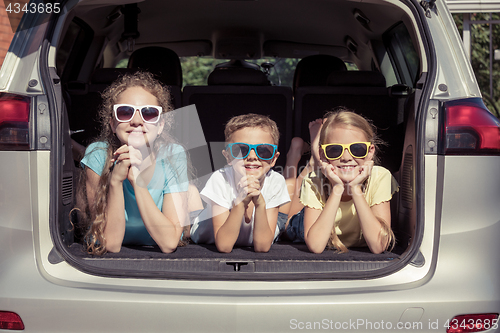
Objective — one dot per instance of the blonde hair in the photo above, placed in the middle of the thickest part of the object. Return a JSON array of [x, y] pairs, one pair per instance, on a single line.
[[344, 117], [93, 219], [252, 120]]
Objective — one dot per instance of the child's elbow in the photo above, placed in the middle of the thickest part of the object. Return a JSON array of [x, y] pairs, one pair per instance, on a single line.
[[168, 247], [377, 250], [223, 248], [314, 248], [113, 248], [262, 248]]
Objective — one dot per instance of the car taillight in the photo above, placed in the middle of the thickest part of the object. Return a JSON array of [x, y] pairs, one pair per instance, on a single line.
[[10, 321], [470, 129], [14, 122], [472, 323]]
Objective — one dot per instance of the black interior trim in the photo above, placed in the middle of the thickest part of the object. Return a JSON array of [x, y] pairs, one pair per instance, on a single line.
[[285, 261]]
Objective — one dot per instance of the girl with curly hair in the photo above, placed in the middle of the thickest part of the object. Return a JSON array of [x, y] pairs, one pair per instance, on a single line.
[[135, 176]]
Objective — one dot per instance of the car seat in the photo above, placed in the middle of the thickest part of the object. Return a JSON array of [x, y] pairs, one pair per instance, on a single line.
[[164, 64], [236, 88]]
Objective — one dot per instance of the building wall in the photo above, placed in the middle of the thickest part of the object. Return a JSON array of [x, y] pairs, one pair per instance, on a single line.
[[473, 6], [8, 24]]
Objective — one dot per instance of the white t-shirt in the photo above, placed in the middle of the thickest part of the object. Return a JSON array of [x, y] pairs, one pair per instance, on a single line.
[[221, 190]]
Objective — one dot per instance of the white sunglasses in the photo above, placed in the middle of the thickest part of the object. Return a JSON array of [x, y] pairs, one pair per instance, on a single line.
[[149, 113]]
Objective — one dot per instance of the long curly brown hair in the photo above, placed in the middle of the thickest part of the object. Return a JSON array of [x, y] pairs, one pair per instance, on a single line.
[[93, 219]]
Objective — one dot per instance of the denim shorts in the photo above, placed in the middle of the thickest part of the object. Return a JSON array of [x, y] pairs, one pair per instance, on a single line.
[[295, 229], [282, 218]]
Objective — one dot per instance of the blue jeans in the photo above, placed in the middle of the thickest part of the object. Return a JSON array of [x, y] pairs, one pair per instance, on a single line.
[[295, 228], [282, 218]]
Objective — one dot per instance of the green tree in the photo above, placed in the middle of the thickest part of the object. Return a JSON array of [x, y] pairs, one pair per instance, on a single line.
[[195, 70], [282, 70], [480, 57]]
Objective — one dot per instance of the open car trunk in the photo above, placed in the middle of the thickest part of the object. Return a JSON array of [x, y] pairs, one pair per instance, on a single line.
[[284, 261]]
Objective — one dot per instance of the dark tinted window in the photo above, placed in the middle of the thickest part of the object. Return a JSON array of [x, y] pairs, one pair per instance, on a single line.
[[403, 55], [73, 49]]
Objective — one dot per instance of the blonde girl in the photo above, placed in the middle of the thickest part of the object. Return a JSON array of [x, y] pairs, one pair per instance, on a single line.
[[135, 177], [347, 203]]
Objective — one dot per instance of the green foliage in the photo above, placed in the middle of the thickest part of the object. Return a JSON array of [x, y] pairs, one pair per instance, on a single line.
[[480, 57], [195, 70], [281, 74], [122, 63]]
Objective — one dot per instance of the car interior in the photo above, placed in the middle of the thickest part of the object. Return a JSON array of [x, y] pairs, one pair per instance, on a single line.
[[378, 37]]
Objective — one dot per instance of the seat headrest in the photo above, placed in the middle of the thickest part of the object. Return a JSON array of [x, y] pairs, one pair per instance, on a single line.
[[357, 79], [109, 75], [238, 63], [314, 70], [163, 63], [237, 72]]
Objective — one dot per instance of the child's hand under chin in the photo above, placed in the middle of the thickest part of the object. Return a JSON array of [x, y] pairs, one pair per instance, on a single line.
[[248, 189], [330, 172], [120, 164], [364, 172], [138, 166]]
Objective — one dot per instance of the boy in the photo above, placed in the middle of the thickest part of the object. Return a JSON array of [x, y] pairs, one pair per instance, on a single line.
[[243, 198]]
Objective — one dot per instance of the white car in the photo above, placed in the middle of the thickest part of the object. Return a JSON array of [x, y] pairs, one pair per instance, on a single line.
[[407, 72]]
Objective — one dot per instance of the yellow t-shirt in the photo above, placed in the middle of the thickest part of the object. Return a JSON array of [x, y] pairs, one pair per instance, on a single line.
[[380, 187]]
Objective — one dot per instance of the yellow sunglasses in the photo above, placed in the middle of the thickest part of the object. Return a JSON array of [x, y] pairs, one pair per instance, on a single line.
[[334, 151]]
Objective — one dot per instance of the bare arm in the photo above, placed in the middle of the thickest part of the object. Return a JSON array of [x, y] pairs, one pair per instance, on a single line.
[[318, 224], [371, 219], [91, 185], [227, 224], [115, 208], [114, 229], [264, 225], [164, 226]]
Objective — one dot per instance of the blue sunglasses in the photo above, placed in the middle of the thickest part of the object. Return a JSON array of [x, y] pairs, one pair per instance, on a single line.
[[240, 150]]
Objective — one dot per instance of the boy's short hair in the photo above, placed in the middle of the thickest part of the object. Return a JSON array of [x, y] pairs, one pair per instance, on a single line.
[[252, 120]]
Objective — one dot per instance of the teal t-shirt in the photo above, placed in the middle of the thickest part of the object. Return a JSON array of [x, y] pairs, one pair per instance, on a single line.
[[170, 176]]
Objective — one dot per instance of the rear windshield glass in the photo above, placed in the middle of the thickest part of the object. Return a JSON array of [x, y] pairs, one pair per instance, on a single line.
[[195, 70]]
